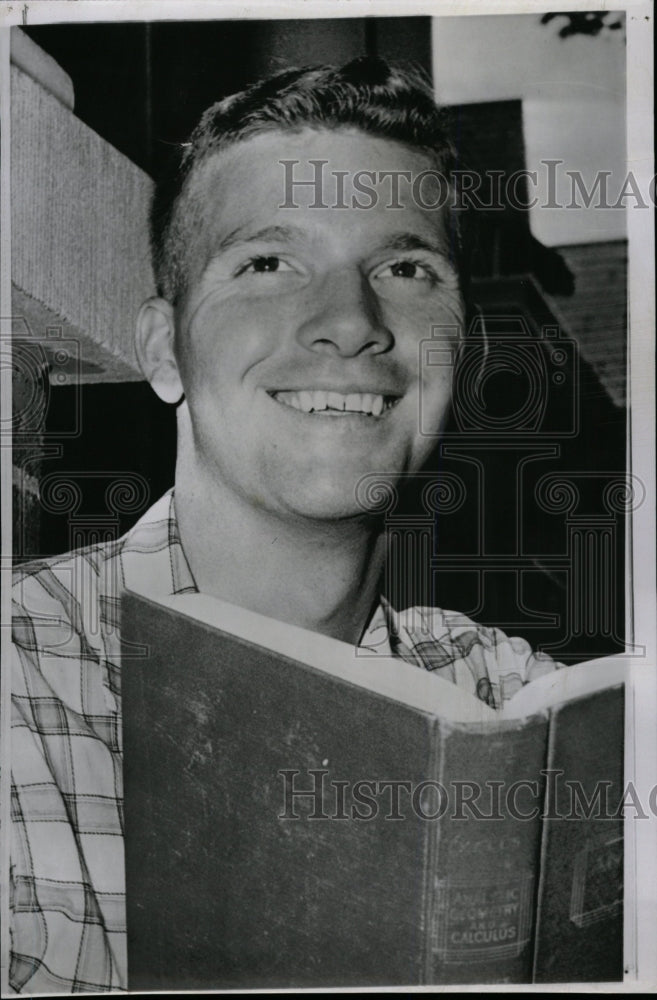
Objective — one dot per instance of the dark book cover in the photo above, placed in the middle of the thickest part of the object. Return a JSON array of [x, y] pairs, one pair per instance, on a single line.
[[288, 828]]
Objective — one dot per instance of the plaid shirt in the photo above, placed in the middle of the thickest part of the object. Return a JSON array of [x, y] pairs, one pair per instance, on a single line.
[[67, 866]]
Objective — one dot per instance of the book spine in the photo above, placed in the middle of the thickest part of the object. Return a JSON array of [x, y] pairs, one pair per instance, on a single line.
[[482, 875], [580, 925]]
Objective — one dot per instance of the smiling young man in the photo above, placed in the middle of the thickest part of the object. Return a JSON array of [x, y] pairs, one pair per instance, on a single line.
[[288, 335], [296, 345]]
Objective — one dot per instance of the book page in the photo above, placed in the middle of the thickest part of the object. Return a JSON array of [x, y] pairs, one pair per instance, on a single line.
[[564, 685]]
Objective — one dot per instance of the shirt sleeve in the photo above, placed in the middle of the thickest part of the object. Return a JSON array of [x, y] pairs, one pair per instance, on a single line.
[[484, 661], [67, 912]]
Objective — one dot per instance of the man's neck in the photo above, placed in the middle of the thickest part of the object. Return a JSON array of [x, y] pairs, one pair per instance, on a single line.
[[322, 576]]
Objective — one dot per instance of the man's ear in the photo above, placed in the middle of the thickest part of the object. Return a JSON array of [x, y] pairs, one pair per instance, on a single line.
[[154, 343]]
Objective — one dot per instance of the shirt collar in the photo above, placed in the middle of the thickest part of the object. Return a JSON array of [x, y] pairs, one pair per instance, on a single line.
[[154, 562]]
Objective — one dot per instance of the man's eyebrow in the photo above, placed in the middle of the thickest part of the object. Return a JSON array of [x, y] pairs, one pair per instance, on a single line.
[[245, 235], [411, 241], [397, 243]]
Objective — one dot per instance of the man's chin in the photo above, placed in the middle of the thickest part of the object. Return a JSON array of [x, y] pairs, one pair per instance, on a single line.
[[363, 495], [326, 509]]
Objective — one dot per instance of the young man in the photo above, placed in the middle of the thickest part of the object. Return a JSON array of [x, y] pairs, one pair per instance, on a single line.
[[287, 332]]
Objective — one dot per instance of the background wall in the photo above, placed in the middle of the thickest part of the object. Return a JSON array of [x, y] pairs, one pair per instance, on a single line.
[[573, 93]]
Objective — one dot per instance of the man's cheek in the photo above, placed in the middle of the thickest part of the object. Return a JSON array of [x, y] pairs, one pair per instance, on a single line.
[[447, 306]]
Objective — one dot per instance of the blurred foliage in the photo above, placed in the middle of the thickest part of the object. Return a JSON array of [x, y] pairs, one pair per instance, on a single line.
[[591, 22]]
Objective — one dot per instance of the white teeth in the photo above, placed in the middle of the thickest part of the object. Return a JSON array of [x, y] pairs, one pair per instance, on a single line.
[[336, 401], [317, 400], [306, 400], [290, 399]]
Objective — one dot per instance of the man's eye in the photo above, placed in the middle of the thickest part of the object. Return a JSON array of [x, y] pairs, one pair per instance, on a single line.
[[264, 265], [410, 269]]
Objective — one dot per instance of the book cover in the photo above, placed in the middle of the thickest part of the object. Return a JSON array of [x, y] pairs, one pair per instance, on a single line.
[[299, 816]]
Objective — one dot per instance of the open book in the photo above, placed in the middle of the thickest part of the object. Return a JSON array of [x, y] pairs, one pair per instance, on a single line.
[[299, 814]]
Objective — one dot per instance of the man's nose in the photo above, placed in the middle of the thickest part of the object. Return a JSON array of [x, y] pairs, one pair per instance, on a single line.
[[345, 317]]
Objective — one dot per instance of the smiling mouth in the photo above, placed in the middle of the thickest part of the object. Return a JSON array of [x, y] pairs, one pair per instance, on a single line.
[[336, 403]]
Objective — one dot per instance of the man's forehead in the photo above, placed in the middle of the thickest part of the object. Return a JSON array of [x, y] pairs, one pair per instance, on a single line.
[[255, 185], [339, 143], [316, 167]]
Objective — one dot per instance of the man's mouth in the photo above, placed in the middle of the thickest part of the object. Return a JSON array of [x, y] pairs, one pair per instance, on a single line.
[[336, 403]]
